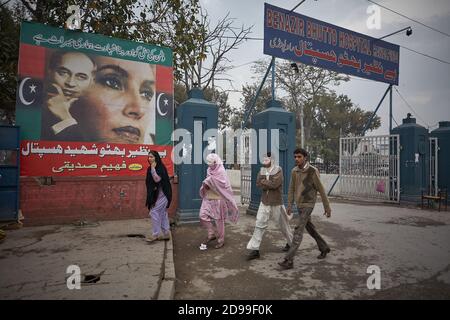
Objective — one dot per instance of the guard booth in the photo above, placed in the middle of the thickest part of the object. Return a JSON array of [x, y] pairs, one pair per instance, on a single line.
[[9, 172], [273, 118], [414, 159], [196, 116], [440, 158]]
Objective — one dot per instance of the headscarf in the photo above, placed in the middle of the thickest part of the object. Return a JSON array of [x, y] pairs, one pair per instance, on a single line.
[[152, 186], [218, 181], [273, 168]]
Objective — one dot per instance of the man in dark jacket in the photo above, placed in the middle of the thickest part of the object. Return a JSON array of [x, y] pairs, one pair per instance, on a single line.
[[303, 188]]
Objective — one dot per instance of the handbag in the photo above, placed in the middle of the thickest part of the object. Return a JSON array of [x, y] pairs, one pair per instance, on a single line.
[[284, 211], [381, 187]]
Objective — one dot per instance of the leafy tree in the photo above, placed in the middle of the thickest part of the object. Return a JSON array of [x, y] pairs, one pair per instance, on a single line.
[[171, 23], [326, 115], [300, 85], [248, 95], [220, 98], [337, 116], [199, 49], [9, 42]]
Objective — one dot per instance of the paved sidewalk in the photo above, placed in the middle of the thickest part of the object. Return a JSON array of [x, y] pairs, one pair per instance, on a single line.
[[411, 247], [34, 260]]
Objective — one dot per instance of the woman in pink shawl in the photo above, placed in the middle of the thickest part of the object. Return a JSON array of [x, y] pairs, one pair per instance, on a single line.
[[218, 203]]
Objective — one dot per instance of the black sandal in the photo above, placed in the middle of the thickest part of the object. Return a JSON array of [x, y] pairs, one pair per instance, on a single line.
[[219, 245], [208, 240]]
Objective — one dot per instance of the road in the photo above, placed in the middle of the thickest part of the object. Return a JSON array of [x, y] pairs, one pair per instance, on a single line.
[[410, 246]]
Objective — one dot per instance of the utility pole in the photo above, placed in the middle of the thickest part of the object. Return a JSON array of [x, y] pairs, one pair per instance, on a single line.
[[302, 134]]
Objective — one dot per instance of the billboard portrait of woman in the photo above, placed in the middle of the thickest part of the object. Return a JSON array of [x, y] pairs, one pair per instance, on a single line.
[[119, 107]]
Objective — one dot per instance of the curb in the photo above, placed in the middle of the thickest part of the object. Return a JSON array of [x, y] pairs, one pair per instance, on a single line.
[[167, 285]]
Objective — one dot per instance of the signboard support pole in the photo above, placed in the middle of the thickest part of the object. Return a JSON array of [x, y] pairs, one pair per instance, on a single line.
[[390, 110], [273, 78], [249, 111], [389, 89], [375, 112], [302, 132]]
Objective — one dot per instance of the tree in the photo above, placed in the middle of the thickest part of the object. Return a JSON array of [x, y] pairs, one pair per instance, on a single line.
[[9, 42], [171, 23], [325, 113], [214, 45], [224, 108], [180, 93], [199, 50], [300, 86], [220, 98], [337, 116], [248, 95]]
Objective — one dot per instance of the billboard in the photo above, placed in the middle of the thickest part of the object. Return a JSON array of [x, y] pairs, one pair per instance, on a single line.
[[292, 36], [91, 105]]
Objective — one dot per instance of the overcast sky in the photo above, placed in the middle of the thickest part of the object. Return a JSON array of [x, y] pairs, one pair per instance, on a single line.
[[424, 83]]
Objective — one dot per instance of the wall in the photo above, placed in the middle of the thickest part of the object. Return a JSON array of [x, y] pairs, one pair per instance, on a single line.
[[70, 199], [327, 180], [235, 178]]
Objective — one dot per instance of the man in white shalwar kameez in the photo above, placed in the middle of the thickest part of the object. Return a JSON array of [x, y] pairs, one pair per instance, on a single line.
[[270, 180]]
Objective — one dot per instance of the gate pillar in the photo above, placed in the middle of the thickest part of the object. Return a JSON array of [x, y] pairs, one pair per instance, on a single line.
[[196, 115], [273, 117]]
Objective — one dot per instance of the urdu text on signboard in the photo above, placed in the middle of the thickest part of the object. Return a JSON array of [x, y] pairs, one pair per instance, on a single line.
[[292, 36]]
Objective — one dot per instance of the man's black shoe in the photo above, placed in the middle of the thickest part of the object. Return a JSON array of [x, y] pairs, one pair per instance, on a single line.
[[323, 254], [254, 254], [286, 264], [286, 248]]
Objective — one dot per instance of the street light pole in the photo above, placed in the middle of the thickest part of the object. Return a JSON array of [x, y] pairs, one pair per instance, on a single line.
[[408, 32], [294, 65], [302, 134]]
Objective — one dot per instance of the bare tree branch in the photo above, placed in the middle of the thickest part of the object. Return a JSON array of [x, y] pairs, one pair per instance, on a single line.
[[29, 8], [4, 3]]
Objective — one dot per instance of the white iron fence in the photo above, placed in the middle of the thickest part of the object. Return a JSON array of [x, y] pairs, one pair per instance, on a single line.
[[246, 183], [433, 178], [369, 167]]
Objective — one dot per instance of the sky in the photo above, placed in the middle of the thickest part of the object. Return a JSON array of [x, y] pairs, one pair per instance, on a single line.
[[424, 83]]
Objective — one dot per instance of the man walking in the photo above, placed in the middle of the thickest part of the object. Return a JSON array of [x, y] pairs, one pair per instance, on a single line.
[[270, 180], [303, 188]]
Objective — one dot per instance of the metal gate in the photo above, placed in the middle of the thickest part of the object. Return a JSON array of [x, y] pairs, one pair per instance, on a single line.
[[434, 147], [246, 168], [246, 183], [369, 167], [9, 172]]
